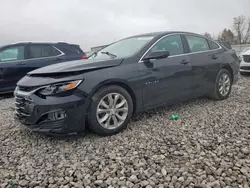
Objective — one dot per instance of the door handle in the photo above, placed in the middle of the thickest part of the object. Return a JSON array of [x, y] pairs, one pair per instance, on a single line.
[[214, 57], [185, 61]]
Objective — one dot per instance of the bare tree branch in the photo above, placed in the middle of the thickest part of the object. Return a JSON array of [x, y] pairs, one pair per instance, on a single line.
[[247, 33], [239, 27], [208, 35], [227, 35]]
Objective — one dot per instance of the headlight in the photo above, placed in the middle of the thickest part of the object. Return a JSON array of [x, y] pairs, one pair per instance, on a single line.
[[240, 58], [59, 87]]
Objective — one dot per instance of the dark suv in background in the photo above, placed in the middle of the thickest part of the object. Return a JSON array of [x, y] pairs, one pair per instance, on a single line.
[[18, 59]]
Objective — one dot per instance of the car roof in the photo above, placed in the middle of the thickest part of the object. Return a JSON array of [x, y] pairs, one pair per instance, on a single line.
[[40, 43], [162, 33]]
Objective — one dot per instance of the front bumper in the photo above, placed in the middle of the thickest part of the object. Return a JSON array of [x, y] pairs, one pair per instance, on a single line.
[[244, 66], [52, 115]]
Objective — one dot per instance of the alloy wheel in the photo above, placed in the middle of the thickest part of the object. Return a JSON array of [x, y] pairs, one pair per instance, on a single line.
[[224, 84], [112, 110]]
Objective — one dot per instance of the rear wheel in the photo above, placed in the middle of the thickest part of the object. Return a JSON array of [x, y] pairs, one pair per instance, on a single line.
[[223, 85], [110, 111]]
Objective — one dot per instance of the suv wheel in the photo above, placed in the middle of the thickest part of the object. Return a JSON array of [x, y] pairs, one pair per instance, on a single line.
[[223, 85], [110, 111]]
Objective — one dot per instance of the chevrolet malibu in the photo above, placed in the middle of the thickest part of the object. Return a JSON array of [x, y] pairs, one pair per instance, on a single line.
[[127, 77]]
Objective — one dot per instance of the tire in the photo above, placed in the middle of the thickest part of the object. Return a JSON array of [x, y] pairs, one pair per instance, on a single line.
[[216, 94], [94, 119]]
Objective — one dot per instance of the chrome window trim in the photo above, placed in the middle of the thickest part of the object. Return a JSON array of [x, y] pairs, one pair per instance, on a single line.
[[39, 58], [190, 53]]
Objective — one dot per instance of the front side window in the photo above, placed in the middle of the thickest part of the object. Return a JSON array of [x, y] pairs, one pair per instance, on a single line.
[[197, 44], [123, 48], [172, 44], [41, 51], [12, 54]]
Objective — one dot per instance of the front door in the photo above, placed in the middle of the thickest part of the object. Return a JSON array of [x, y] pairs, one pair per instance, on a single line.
[[12, 66], [167, 80]]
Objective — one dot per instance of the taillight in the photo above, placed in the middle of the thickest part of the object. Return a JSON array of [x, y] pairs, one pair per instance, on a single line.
[[84, 57]]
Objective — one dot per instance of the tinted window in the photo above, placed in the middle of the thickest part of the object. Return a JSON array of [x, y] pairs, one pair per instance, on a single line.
[[213, 45], [38, 51], [12, 54], [71, 49], [197, 44], [172, 43]]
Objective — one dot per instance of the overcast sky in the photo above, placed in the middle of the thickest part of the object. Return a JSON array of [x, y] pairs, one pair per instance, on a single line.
[[96, 22]]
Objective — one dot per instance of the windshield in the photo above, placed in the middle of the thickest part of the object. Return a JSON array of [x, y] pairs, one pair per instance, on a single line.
[[123, 48]]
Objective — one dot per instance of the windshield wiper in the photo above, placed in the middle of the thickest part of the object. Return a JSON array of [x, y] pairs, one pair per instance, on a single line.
[[109, 54]]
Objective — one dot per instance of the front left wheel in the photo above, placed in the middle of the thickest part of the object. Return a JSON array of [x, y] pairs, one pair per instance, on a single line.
[[110, 110]]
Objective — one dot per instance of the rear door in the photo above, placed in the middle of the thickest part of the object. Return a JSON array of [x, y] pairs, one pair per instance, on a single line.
[[12, 66], [40, 55], [205, 56]]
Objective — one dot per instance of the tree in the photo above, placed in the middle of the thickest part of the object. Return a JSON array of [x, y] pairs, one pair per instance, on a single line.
[[230, 36], [242, 29], [227, 35], [208, 35], [247, 35]]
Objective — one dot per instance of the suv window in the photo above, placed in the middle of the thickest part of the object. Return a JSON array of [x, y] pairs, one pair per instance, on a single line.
[[71, 49], [172, 43], [14, 53], [197, 44], [39, 51]]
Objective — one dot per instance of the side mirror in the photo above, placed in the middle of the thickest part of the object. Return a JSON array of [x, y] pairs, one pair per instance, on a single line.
[[156, 55]]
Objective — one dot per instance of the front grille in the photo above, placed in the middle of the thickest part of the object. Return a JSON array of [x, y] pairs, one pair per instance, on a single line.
[[21, 108], [246, 58], [245, 68]]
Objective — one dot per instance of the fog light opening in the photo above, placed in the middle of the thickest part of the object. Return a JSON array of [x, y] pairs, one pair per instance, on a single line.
[[59, 115]]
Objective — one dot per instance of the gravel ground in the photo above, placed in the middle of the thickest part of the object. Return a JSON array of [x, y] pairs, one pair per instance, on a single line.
[[208, 146]]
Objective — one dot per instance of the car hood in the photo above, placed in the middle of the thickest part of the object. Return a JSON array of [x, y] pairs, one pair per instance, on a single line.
[[247, 52], [79, 65]]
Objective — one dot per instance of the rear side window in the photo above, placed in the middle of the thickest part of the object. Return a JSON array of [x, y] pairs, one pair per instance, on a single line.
[[71, 49], [197, 44], [14, 53], [226, 44], [40, 51], [172, 43], [213, 45]]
